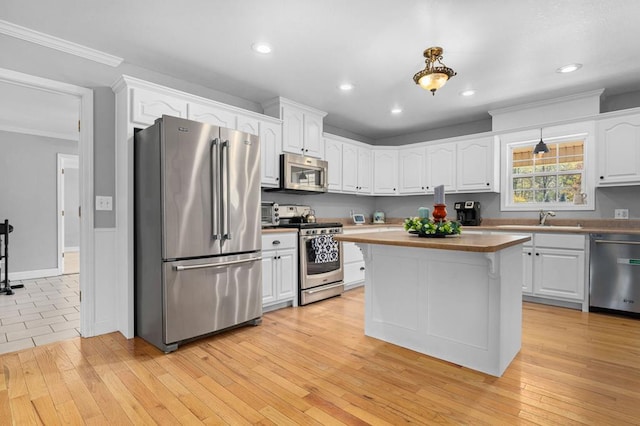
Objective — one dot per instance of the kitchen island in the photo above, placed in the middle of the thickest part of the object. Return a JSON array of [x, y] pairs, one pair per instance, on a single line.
[[456, 298]]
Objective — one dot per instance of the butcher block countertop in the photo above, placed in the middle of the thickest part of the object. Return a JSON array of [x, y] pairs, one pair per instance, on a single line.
[[469, 242]]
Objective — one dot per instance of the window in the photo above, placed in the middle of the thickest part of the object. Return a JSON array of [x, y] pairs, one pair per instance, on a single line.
[[558, 179], [554, 177]]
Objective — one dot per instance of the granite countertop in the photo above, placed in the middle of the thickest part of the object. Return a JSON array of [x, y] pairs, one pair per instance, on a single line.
[[469, 243]]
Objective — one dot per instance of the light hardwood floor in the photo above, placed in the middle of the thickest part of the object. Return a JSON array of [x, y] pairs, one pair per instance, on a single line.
[[313, 365]]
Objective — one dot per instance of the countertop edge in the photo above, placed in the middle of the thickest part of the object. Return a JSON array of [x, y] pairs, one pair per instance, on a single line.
[[468, 243]]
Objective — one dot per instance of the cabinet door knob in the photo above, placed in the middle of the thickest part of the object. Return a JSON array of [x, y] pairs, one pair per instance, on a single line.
[[529, 254], [488, 184], [601, 177], [394, 189], [275, 242], [362, 268], [277, 179], [278, 257], [537, 254]]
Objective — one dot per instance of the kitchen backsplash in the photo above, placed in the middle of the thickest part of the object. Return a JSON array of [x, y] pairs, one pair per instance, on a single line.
[[340, 205]]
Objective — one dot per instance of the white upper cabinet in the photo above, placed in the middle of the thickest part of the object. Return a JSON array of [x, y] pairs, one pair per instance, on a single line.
[[301, 126], [364, 170], [441, 167], [385, 171], [248, 125], [147, 106], [313, 141], [477, 165], [333, 156], [411, 170], [619, 151], [356, 169], [211, 115], [270, 148]]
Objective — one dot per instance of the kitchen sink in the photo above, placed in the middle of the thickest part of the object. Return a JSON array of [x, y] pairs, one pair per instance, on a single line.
[[538, 227]]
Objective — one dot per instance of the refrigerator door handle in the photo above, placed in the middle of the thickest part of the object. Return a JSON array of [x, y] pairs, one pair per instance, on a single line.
[[215, 265], [215, 191], [226, 190]]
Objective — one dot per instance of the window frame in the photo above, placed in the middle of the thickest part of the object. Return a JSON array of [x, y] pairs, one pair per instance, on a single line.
[[555, 134]]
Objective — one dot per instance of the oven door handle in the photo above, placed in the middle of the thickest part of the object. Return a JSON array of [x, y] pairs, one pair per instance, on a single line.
[[310, 237], [329, 287]]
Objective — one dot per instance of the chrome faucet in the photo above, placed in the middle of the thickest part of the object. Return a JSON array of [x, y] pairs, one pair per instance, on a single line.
[[544, 215]]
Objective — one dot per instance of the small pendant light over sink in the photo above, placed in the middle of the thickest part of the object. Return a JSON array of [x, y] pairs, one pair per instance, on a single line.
[[433, 77], [541, 147]]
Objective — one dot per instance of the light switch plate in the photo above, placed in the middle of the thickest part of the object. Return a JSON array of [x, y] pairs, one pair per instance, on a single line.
[[104, 203], [621, 214]]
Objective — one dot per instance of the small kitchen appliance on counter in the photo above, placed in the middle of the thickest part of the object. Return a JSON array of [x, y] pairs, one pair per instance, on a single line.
[[378, 217], [468, 213], [270, 214]]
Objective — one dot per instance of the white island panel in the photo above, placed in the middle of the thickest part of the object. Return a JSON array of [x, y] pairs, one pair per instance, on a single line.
[[462, 307]]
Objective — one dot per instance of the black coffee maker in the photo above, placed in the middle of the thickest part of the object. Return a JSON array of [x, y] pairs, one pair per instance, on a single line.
[[468, 213]]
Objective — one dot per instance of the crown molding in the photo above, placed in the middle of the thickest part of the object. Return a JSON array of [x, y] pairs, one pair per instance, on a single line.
[[56, 43]]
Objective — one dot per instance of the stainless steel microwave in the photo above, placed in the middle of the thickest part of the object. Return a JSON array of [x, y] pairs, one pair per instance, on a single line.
[[300, 174]]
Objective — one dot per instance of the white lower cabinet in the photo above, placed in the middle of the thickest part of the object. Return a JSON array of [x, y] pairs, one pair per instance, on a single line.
[[353, 265], [353, 260], [554, 267], [279, 269], [559, 266]]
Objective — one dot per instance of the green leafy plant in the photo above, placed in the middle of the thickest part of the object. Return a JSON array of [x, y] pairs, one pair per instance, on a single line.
[[428, 227]]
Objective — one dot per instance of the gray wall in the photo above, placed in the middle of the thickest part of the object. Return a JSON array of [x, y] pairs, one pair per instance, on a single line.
[[71, 204], [607, 199], [28, 167], [326, 205]]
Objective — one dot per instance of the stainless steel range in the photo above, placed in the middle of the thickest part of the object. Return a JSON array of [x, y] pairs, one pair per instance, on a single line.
[[320, 271]]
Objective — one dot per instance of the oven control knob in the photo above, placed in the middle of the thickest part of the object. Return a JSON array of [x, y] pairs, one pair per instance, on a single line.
[[313, 231], [322, 231]]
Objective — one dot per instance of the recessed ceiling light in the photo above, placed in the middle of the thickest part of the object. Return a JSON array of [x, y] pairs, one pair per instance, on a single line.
[[345, 87], [261, 48], [469, 92], [569, 68], [396, 110]]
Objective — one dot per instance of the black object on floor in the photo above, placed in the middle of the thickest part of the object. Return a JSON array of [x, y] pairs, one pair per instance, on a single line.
[[5, 284]]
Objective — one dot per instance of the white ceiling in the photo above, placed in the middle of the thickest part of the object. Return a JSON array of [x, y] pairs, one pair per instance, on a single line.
[[507, 50]]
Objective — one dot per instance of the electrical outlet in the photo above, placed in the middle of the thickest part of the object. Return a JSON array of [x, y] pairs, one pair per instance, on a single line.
[[104, 203], [621, 214]]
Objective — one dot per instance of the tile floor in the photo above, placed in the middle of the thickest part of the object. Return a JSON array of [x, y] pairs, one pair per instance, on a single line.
[[46, 310]]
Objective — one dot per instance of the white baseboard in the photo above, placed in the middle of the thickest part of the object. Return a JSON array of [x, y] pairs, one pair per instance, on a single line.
[[71, 249], [30, 275]]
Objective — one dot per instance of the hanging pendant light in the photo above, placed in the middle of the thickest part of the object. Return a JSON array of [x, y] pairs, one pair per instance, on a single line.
[[541, 147], [433, 77]]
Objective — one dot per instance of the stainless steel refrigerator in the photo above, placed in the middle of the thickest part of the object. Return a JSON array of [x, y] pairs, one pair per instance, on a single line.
[[197, 230]]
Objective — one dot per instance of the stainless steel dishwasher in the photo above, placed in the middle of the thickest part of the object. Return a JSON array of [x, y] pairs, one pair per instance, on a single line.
[[615, 272]]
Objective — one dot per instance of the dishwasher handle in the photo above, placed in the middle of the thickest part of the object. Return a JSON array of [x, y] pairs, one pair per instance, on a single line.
[[631, 243]]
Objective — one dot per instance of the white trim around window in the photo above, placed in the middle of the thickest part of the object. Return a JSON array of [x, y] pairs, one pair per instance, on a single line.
[[584, 131]]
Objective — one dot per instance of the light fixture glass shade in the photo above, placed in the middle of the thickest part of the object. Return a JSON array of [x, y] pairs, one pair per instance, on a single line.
[[433, 81], [433, 77]]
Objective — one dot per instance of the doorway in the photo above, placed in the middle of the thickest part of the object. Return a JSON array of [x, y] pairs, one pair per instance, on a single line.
[[23, 87], [68, 214]]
